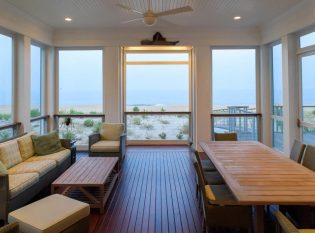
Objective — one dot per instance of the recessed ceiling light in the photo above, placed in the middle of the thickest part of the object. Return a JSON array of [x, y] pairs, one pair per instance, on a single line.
[[68, 19], [237, 17]]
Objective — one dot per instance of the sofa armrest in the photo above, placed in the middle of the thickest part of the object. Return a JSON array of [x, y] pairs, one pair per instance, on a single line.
[[4, 196], [66, 143], [10, 228], [94, 138], [122, 148]]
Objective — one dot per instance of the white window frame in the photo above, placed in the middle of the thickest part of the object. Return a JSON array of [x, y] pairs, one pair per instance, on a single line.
[[274, 118], [303, 52]]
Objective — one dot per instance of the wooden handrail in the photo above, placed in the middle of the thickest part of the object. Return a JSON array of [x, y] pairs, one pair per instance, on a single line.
[[79, 115], [236, 115], [157, 113], [45, 117], [11, 125]]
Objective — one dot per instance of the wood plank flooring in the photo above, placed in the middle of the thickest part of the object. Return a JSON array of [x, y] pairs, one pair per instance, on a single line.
[[155, 194]]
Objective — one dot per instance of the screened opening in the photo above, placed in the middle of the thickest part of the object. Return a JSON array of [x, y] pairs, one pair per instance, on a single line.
[[157, 95]]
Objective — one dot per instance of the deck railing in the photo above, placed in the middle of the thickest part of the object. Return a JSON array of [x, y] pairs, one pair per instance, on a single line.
[[11, 130], [78, 127], [40, 124], [247, 126], [150, 126]]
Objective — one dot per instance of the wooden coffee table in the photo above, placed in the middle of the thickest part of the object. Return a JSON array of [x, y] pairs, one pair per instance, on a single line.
[[89, 180]]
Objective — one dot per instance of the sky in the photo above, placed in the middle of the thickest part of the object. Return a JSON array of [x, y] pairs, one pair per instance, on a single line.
[[234, 76], [81, 72], [5, 70]]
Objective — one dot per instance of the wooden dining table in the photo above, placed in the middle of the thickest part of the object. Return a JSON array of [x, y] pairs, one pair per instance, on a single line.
[[258, 176]]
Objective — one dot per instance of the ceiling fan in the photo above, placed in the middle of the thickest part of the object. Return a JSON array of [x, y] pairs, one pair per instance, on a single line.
[[149, 17]]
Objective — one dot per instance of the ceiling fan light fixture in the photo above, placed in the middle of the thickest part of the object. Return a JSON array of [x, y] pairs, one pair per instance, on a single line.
[[149, 21], [149, 18]]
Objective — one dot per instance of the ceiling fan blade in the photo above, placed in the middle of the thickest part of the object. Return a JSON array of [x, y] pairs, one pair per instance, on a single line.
[[132, 20], [166, 22], [175, 11], [128, 8]]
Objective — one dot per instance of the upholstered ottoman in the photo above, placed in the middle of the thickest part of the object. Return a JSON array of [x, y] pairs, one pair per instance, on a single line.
[[55, 213]]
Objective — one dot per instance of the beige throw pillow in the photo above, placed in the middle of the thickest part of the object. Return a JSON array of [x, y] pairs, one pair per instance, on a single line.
[[26, 146], [112, 131], [10, 154]]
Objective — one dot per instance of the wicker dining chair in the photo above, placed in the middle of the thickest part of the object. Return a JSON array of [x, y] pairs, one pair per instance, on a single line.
[[211, 177], [284, 225], [206, 164], [308, 159], [225, 136], [297, 151], [220, 208]]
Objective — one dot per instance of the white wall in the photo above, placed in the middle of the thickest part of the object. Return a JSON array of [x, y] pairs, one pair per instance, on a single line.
[[297, 18], [17, 21]]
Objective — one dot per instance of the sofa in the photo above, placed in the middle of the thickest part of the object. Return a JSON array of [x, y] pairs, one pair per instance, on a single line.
[[27, 174]]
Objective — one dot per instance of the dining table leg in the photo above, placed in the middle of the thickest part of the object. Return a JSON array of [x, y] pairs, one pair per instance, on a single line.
[[259, 213]]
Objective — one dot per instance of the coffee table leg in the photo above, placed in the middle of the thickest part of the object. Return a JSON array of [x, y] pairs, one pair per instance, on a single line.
[[259, 218], [52, 190], [102, 192]]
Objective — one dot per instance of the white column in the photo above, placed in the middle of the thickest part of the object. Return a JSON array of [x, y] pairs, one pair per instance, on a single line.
[[23, 81], [50, 85], [112, 85], [265, 85], [202, 94], [290, 92]]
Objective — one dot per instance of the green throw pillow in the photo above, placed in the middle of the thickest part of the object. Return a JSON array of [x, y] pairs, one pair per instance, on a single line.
[[46, 144], [3, 169]]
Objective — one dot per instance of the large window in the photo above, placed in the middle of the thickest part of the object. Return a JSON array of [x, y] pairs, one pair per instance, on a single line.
[[234, 92], [157, 103], [6, 84], [307, 109], [37, 87], [277, 97], [80, 93]]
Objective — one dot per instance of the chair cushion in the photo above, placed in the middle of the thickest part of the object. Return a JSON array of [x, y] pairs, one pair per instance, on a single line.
[[209, 194], [20, 182], [105, 146], [26, 146], [40, 167], [111, 131], [54, 213], [307, 231], [59, 157], [47, 144], [10, 153]]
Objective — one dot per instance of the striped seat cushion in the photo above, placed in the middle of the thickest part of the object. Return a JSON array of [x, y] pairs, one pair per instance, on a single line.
[[40, 167], [20, 182], [59, 157]]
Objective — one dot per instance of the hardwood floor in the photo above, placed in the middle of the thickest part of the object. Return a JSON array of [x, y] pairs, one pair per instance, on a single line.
[[155, 194]]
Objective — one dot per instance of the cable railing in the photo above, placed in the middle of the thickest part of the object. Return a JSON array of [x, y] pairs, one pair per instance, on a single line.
[[158, 126], [246, 125], [40, 124], [78, 127], [10, 130]]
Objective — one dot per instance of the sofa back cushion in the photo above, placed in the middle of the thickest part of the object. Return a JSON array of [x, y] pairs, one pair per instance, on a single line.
[[26, 146], [46, 144], [3, 169], [10, 154], [112, 131]]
